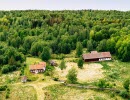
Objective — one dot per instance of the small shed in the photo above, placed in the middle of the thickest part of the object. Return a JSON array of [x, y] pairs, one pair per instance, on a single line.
[[24, 79], [52, 63]]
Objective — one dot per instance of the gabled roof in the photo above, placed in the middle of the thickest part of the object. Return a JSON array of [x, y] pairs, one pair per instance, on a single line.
[[41, 65], [95, 55], [91, 56]]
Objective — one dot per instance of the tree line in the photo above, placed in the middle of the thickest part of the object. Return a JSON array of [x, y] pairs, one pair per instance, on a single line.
[[37, 32]]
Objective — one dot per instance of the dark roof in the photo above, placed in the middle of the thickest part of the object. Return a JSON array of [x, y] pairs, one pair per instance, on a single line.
[[95, 55]]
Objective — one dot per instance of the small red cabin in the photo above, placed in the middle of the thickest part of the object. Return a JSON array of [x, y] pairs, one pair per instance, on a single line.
[[38, 68]]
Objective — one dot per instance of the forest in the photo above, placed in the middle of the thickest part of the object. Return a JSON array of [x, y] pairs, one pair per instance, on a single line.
[[37, 32]]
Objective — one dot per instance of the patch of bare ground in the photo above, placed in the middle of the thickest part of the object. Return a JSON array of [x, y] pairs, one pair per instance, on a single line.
[[90, 72]]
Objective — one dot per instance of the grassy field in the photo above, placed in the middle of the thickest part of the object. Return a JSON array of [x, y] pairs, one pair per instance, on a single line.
[[19, 92], [22, 93], [10, 78], [114, 72], [117, 71], [61, 92]]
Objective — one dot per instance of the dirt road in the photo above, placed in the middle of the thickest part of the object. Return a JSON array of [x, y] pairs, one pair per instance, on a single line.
[[38, 87]]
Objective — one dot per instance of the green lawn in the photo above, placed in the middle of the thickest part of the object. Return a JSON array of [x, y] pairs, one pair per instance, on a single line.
[[32, 60], [29, 61]]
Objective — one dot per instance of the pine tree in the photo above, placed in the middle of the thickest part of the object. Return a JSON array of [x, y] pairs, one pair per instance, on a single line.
[[62, 65], [79, 49], [45, 55], [80, 63]]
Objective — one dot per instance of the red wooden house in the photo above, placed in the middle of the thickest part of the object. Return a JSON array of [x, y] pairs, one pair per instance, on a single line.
[[38, 68]]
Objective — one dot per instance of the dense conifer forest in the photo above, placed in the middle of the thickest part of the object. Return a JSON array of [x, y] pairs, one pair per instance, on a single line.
[[32, 33]]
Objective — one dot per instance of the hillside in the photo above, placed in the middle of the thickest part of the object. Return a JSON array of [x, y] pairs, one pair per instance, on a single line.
[[31, 36]]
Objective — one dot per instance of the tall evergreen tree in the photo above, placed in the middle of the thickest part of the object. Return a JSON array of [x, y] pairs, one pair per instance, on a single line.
[[62, 65], [80, 63], [46, 55], [79, 48]]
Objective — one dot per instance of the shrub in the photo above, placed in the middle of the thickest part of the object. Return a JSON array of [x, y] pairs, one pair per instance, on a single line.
[[8, 68], [49, 70], [5, 69], [124, 94], [3, 88], [72, 76], [101, 83], [80, 63], [22, 71], [7, 93], [32, 79], [62, 65], [55, 78], [104, 84], [126, 85]]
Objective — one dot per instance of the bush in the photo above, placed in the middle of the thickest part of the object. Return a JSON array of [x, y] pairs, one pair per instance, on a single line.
[[126, 85], [124, 94], [7, 93], [32, 79], [80, 63], [104, 84], [49, 70], [55, 78], [62, 65], [3, 88], [8, 68], [5, 69], [22, 71], [12, 68], [72, 76], [101, 83]]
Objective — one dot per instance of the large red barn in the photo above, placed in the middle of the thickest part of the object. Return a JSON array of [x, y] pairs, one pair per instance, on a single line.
[[96, 56]]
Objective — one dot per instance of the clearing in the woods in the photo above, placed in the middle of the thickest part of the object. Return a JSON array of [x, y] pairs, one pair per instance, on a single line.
[[43, 87], [90, 72]]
